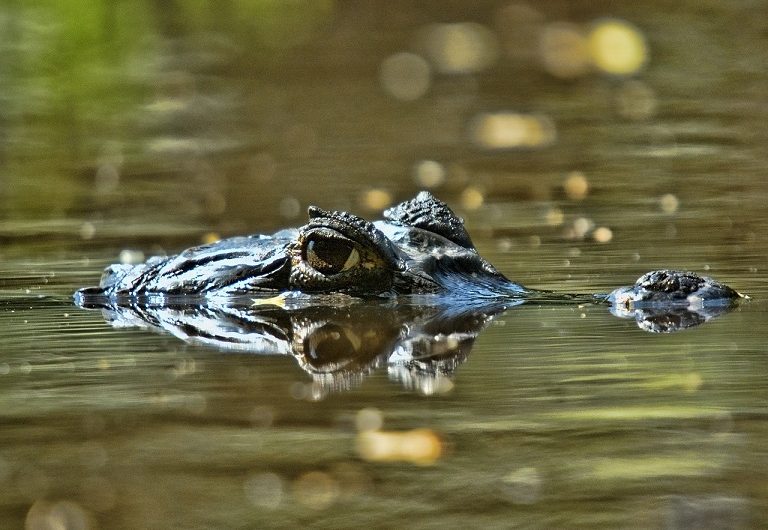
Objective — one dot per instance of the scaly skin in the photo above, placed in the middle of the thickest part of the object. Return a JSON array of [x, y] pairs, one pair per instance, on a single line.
[[420, 248]]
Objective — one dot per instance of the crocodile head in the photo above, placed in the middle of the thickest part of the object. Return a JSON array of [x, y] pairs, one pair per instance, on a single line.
[[421, 247]]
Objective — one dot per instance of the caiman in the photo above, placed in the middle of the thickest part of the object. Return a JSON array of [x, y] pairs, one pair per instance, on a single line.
[[421, 248], [344, 296]]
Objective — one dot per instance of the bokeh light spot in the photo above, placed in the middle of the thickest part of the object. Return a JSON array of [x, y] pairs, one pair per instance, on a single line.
[[60, 515], [405, 76], [264, 490], [510, 130], [576, 186], [419, 446], [131, 257], [459, 48], [564, 50], [669, 203], [369, 419], [289, 207], [519, 26], [376, 199], [472, 198], [316, 490], [554, 217], [617, 47], [602, 234], [429, 174], [210, 237], [582, 227]]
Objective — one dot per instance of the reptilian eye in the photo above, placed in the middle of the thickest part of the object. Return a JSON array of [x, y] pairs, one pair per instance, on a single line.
[[331, 255]]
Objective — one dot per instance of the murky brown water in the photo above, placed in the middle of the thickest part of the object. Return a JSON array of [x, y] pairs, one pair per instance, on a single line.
[[181, 125]]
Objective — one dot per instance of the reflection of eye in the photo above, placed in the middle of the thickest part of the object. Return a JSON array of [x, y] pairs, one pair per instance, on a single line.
[[331, 344], [330, 255]]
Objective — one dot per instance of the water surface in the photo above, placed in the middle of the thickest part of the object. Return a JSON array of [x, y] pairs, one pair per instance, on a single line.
[[559, 416]]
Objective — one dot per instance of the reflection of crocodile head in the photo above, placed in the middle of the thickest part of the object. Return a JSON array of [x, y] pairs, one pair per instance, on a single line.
[[419, 252], [338, 346]]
